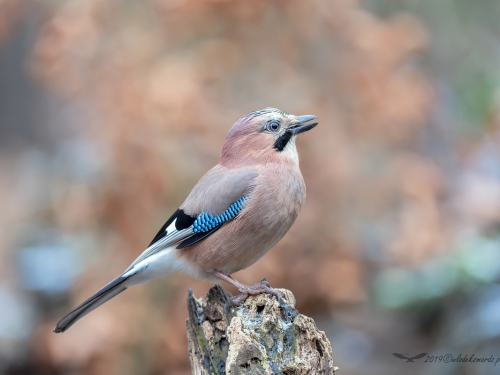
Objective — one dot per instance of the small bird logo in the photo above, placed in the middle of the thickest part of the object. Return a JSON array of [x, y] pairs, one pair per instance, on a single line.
[[409, 359]]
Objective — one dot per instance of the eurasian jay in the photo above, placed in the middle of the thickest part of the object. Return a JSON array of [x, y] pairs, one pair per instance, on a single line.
[[235, 214]]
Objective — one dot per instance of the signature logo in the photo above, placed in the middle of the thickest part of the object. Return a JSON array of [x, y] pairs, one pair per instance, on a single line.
[[409, 359]]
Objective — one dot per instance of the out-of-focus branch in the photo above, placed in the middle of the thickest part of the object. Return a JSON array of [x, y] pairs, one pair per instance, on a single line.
[[258, 337]]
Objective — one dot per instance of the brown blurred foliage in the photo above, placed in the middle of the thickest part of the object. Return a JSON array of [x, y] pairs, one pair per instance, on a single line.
[[10, 13], [167, 79]]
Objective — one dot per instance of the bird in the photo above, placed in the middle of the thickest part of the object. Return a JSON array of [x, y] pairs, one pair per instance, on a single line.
[[409, 359], [232, 217]]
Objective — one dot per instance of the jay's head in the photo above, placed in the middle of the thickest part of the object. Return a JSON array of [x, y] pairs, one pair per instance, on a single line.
[[263, 136]]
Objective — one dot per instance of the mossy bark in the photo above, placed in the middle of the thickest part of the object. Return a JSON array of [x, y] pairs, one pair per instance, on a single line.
[[261, 336]]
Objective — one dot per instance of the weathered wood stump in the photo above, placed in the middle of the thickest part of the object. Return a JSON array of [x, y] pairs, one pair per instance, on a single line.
[[261, 336]]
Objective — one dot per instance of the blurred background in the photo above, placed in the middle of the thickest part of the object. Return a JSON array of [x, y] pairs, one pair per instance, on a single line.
[[110, 111]]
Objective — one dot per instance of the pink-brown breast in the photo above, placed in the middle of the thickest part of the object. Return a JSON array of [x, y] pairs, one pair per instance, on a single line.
[[273, 207]]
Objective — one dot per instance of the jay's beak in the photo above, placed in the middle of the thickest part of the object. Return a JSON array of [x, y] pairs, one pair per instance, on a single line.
[[301, 126]]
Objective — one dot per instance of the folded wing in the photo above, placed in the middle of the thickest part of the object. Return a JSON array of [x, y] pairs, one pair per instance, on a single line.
[[218, 197]]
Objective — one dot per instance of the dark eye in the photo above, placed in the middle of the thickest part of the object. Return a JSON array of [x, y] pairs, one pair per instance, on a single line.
[[273, 126]]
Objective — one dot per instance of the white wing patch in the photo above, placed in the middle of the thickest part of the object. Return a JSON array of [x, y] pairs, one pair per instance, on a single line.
[[171, 227], [173, 237]]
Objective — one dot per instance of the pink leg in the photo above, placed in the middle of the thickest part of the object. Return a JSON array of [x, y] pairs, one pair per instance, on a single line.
[[247, 290]]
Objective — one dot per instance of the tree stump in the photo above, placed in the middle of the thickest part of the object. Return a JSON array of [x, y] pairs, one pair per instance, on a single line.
[[261, 336]]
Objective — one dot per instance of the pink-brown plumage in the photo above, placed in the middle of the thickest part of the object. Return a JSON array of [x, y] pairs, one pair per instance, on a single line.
[[249, 165], [276, 198]]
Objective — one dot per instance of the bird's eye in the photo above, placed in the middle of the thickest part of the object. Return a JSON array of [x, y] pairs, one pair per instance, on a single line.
[[273, 126]]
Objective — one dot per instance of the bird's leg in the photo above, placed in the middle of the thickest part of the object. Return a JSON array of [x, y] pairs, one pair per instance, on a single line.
[[247, 290]]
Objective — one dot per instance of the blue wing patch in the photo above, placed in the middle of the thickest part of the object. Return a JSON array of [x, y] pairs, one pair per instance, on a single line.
[[207, 224], [206, 221], [202, 226]]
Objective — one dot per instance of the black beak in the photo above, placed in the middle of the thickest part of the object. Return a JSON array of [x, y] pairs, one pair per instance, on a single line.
[[301, 126]]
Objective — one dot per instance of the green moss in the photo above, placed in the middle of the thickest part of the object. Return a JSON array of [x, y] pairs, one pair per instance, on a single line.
[[201, 338]]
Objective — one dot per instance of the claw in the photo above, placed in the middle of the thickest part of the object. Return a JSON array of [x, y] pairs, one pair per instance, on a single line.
[[265, 282], [252, 290], [245, 290]]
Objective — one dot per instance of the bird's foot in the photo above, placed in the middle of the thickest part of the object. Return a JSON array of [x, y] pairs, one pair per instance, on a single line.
[[252, 290], [263, 287], [248, 290]]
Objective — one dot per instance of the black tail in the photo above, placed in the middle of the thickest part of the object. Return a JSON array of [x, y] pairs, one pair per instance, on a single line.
[[114, 288]]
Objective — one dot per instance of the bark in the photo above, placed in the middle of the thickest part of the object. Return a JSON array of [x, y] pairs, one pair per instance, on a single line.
[[261, 336]]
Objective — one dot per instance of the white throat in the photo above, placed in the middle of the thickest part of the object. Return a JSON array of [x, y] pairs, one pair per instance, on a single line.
[[290, 150]]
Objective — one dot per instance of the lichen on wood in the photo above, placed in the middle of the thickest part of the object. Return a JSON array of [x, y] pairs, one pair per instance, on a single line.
[[261, 336]]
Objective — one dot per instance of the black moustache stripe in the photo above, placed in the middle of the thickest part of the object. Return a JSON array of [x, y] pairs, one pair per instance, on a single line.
[[283, 140]]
